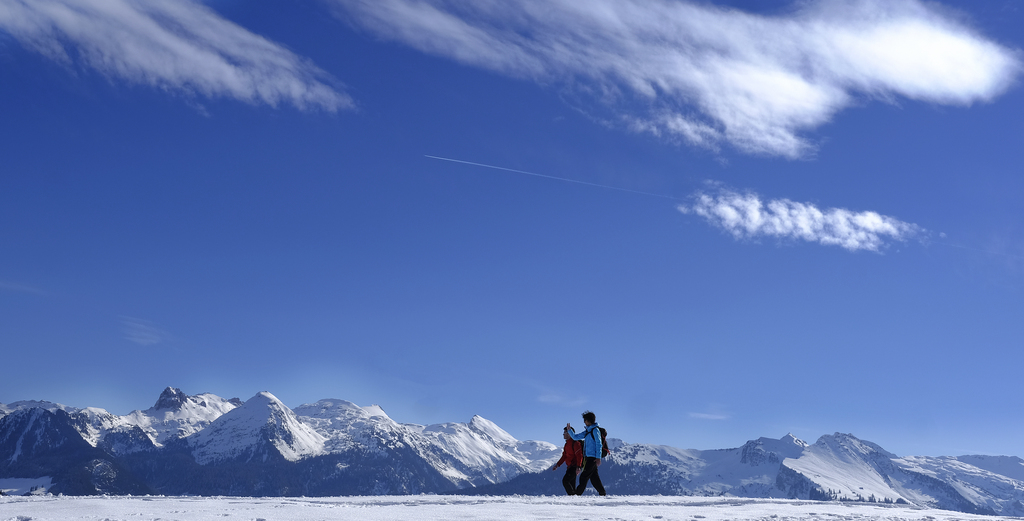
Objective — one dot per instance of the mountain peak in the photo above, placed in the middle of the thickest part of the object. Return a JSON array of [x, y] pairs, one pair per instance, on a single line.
[[789, 438], [491, 430], [265, 396], [172, 398], [850, 444], [770, 451], [35, 404], [261, 423], [178, 415], [376, 410], [328, 408], [263, 404]]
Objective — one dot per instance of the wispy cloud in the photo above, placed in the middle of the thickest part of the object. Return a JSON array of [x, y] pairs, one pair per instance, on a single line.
[[746, 216], [709, 75], [142, 332], [706, 416], [565, 401], [175, 45], [20, 288]]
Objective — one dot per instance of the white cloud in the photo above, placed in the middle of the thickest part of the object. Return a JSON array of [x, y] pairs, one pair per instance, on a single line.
[[142, 332], [176, 45], [746, 216], [708, 75]]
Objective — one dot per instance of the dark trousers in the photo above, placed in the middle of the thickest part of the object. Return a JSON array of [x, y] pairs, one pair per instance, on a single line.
[[569, 481], [590, 473]]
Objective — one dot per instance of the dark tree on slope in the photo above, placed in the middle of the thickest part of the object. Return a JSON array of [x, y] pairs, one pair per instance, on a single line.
[[36, 443], [816, 494], [794, 484]]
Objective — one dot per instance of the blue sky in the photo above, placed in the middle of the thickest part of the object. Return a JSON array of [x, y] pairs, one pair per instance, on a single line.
[[769, 217]]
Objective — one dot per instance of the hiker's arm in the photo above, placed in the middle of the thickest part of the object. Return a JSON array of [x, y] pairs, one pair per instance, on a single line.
[[560, 461]]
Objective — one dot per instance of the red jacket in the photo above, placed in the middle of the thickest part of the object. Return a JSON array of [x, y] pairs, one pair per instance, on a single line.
[[572, 454]]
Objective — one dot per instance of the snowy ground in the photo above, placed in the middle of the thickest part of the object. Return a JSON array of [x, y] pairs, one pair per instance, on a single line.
[[447, 508]]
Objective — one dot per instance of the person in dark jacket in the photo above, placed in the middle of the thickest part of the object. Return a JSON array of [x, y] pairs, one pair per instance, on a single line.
[[572, 456], [591, 438]]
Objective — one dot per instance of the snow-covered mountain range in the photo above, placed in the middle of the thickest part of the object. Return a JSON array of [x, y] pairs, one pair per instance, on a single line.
[[206, 445]]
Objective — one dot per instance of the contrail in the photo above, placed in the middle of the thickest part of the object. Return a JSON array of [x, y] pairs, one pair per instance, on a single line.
[[663, 196], [554, 177], [990, 252]]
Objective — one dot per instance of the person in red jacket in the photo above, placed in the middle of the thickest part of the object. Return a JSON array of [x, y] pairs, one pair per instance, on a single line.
[[572, 456]]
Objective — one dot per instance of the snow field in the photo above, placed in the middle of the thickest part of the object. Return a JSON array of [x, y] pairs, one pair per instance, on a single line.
[[446, 508]]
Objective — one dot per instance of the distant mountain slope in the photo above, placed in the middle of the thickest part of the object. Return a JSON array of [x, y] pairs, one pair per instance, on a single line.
[[177, 415], [748, 471], [470, 454], [206, 445], [38, 442], [968, 485], [1009, 466], [836, 467], [847, 467], [261, 428]]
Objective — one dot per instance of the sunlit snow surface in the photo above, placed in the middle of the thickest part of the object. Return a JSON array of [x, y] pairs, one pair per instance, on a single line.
[[519, 508]]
